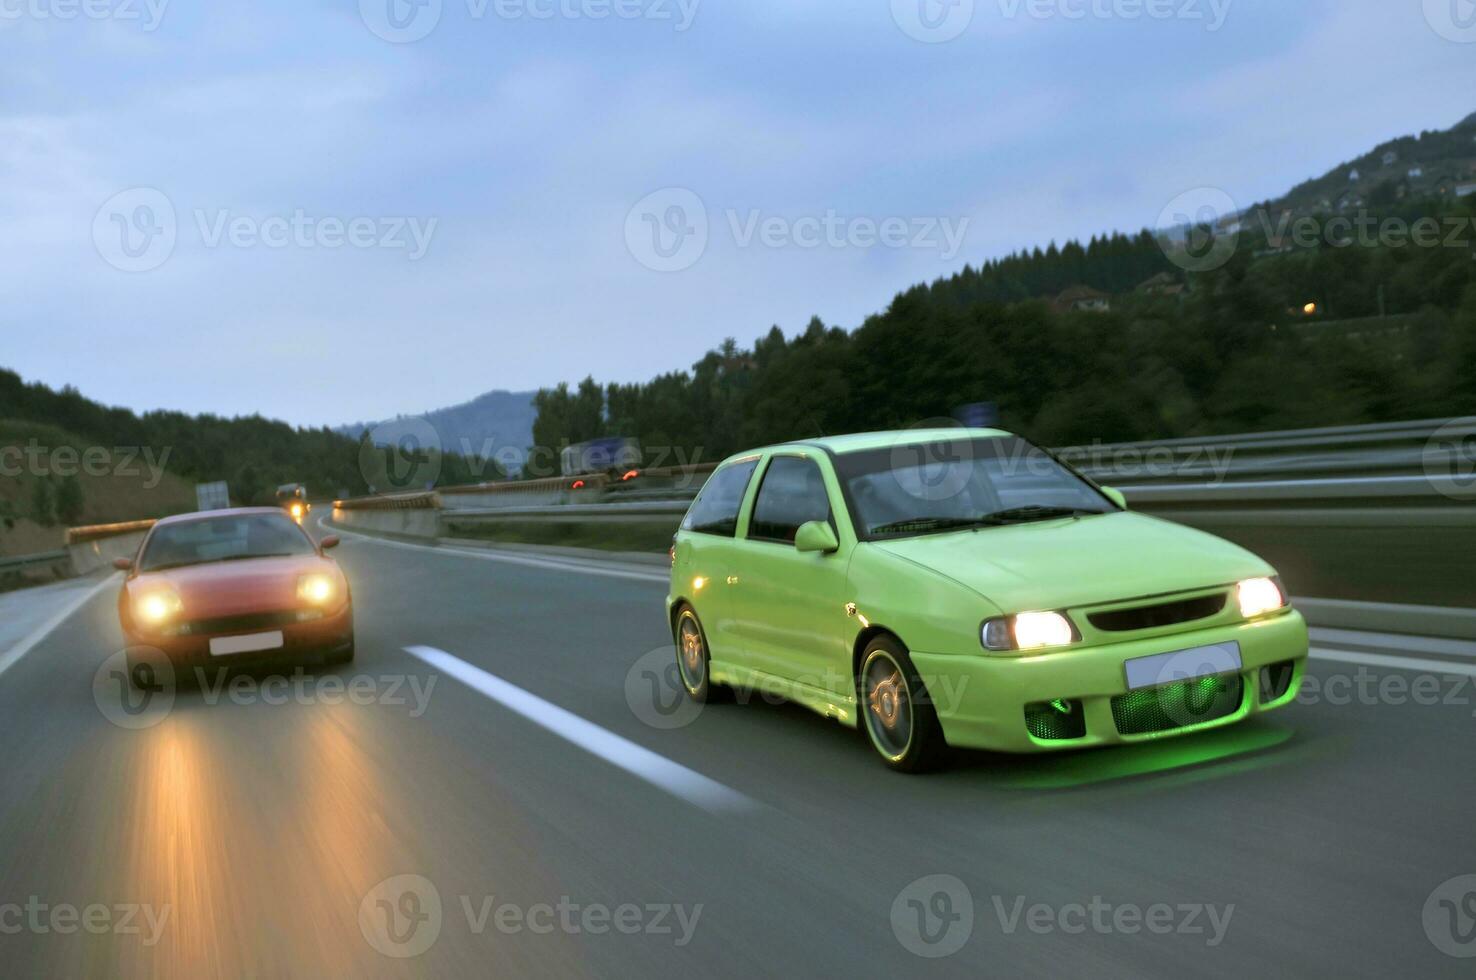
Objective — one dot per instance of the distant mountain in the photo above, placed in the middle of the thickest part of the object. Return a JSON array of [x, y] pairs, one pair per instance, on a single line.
[[497, 425]]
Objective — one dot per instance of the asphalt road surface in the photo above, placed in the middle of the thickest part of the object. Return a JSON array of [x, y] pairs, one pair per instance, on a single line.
[[496, 788]]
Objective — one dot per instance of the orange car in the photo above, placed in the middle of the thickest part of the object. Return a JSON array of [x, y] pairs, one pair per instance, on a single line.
[[245, 585]]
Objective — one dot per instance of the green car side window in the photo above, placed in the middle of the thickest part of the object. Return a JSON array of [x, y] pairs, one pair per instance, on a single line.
[[792, 493], [715, 511]]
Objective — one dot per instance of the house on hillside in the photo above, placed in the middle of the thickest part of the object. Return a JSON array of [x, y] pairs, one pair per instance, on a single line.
[[1415, 173], [1390, 158], [1083, 298], [1163, 284], [1354, 176]]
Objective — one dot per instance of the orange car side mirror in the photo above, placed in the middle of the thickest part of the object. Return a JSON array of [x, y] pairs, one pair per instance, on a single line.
[[123, 564], [331, 541]]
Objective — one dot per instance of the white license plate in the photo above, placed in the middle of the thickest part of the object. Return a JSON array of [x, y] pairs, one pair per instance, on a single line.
[[1183, 665], [224, 646]]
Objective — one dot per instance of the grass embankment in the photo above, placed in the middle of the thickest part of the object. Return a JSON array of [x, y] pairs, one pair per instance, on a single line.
[[51, 479]]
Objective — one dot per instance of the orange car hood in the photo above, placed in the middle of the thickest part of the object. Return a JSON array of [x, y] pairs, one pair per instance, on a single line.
[[233, 588]]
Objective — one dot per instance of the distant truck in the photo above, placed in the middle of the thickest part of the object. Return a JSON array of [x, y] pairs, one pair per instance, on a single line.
[[293, 498], [617, 454]]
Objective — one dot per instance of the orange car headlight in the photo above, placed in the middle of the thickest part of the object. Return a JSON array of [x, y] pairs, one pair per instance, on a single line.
[[316, 589], [157, 607]]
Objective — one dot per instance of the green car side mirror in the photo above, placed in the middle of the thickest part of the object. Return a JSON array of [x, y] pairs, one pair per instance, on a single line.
[[816, 536], [1115, 495]]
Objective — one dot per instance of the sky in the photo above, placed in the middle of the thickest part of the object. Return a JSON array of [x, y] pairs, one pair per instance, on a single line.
[[336, 211]]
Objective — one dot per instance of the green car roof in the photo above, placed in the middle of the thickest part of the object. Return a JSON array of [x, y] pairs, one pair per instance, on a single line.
[[859, 441]]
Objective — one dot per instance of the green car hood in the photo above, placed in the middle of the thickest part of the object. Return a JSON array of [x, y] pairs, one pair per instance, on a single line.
[[1078, 562]]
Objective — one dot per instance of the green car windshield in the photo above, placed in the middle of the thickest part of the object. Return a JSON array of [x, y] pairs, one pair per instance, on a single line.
[[929, 488]]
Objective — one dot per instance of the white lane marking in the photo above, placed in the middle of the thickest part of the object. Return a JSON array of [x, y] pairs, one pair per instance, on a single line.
[[41, 632], [657, 770], [1398, 663], [558, 564]]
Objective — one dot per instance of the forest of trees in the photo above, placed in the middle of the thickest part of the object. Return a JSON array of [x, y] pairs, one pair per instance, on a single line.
[[253, 454], [1233, 352]]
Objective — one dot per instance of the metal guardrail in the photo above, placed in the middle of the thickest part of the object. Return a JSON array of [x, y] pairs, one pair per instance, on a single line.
[[19, 562], [404, 501]]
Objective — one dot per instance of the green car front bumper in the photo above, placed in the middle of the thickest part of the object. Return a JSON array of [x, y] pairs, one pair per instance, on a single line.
[[1078, 698]]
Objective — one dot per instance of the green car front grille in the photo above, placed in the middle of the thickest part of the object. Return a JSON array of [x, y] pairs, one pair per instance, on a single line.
[[1179, 705], [1055, 721]]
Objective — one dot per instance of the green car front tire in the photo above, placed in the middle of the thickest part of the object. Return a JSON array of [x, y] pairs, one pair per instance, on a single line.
[[896, 712], [694, 665]]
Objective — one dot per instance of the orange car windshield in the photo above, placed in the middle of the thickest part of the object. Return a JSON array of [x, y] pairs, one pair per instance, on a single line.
[[223, 539]]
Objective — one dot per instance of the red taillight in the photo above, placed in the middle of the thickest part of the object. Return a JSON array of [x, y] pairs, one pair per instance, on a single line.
[[577, 485], [631, 475]]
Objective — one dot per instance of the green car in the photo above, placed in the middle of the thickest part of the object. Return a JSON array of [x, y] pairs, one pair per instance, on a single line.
[[963, 587]]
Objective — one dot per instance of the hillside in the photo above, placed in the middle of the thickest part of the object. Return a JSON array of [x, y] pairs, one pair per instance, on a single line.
[[493, 423], [1431, 164], [48, 481], [1280, 334]]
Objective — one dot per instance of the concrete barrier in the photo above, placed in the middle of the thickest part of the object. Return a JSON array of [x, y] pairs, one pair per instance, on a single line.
[[411, 515], [95, 546]]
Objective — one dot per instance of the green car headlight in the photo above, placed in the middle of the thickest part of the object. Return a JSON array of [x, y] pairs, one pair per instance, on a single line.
[[1028, 631], [1258, 596]]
